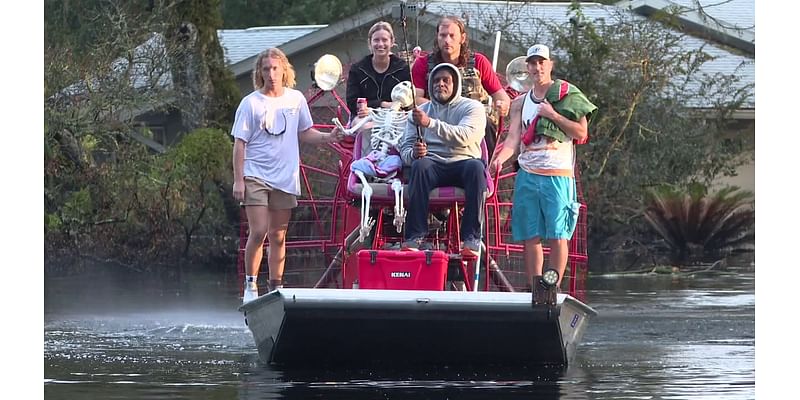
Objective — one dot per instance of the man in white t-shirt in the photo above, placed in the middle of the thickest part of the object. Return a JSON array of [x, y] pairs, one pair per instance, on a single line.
[[269, 124]]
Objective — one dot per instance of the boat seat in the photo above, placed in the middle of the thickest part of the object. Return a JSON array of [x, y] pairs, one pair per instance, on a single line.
[[382, 193]]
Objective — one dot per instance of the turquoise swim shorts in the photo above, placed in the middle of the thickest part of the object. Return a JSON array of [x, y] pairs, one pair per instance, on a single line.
[[544, 207]]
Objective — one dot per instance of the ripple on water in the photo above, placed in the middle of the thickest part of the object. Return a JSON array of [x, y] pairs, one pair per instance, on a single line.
[[651, 340]]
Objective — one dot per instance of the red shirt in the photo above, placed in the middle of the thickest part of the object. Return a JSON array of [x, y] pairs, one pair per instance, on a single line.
[[489, 79]]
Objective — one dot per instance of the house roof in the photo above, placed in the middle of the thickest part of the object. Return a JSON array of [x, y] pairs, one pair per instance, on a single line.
[[729, 22], [145, 69], [484, 15], [319, 36], [732, 13], [240, 44]]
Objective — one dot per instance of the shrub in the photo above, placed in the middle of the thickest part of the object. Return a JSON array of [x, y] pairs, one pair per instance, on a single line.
[[695, 225]]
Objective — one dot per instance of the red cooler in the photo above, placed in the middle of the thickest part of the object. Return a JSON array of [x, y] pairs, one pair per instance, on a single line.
[[407, 270]]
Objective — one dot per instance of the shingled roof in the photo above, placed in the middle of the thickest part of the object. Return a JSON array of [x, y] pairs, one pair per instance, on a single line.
[[240, 44]]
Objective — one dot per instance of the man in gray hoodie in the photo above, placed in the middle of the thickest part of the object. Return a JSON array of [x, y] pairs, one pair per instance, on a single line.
[[448, 154]]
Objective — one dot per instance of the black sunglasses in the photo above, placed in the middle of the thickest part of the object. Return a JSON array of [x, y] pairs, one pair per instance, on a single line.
[[264, 123]]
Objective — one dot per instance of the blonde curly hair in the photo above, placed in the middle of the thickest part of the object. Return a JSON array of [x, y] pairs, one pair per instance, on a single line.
[[288, 70]]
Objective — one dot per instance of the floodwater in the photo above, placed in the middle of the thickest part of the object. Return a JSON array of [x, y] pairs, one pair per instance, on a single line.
[[656, 337]]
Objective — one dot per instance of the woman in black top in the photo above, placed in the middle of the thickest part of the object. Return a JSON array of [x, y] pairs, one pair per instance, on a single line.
[[375, 75]]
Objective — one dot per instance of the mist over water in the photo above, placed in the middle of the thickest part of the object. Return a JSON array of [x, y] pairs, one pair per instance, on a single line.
[[656, 337]]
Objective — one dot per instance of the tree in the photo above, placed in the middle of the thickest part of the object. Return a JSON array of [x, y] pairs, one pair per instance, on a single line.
[[106, 194], [645, 82], [206, 88]]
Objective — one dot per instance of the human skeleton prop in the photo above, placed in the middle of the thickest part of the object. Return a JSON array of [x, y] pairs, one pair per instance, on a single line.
[[383, 162]]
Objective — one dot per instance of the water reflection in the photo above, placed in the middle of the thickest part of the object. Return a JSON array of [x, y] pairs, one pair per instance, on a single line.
[[654, 338], [443, 383]]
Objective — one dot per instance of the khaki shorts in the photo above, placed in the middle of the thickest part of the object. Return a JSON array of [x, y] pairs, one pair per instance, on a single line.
[[259, 193]]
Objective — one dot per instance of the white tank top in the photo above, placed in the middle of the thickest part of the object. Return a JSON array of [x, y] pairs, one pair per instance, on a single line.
[[544, 156]]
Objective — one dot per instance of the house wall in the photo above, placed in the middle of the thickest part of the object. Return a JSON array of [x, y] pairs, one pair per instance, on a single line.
[[351, 47], [345, 48], [245, 83], [745, 179], [166, 127], [746, 174]]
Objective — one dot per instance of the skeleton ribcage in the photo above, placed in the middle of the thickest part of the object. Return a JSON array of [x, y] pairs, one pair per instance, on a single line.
[[387, 130]]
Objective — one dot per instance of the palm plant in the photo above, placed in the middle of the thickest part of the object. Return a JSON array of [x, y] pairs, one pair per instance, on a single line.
[[695, 224]]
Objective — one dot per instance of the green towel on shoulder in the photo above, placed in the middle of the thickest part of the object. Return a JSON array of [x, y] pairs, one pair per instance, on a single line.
[[568, 101]]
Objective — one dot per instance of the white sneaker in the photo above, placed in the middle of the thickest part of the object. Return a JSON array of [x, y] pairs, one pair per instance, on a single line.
[[250, 292]]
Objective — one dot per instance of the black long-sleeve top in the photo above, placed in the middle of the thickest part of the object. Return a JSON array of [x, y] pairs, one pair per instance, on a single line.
[[363, 81]]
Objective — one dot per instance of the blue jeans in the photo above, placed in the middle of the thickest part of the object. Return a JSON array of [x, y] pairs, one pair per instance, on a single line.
[[426, 175]]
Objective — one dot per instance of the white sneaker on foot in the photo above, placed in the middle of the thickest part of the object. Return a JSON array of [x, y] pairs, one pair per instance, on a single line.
[[250, 292]]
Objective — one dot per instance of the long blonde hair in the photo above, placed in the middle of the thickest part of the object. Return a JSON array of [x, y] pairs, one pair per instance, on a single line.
[[288, 69]]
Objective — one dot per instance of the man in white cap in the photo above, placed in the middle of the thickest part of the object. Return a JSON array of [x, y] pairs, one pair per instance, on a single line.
[[554, 116]]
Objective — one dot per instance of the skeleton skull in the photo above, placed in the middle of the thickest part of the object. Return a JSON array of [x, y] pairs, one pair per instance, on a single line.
[[403, 93]]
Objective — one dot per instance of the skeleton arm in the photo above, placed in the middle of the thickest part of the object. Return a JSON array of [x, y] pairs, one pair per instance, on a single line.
[[353, 129]]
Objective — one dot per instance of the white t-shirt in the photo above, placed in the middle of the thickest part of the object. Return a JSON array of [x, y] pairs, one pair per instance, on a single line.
[[269, 128]]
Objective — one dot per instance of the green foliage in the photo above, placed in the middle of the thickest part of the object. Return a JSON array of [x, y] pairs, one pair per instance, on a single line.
[[205, 153], [79, 25], [77, 207], [107, 62], [696, 225], [143, 209], [199, 167], [107, 196]]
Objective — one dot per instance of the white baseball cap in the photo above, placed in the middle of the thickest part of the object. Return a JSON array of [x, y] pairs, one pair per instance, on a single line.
[[538, 50]]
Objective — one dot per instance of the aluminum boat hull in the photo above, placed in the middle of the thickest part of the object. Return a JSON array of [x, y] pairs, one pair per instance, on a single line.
[[295, 326]]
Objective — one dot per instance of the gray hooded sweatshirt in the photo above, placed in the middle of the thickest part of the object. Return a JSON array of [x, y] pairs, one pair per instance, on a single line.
[[456, 128]]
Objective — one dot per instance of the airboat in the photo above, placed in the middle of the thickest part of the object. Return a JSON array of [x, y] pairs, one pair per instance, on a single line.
[[352, 297]]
